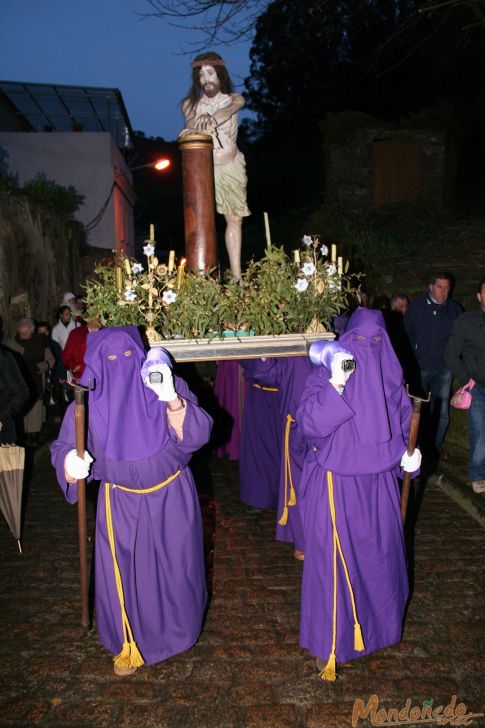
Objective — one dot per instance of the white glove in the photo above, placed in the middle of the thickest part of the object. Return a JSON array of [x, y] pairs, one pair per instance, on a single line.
[[411, 463], [77, 468], [339, 376], [165, 390]]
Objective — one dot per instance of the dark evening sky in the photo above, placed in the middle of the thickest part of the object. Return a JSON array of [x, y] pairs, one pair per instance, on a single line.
[[104, 43]]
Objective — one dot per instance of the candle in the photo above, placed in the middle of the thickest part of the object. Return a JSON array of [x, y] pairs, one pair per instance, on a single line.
[[340, 265], [296, 255], [180, 274], [119, 279], [334, 253], [266, 227], [171, 260], [150, 298], [152, 233], [127, 266]]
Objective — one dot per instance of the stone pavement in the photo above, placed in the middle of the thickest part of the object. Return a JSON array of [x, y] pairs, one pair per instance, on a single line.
[[247, 670]]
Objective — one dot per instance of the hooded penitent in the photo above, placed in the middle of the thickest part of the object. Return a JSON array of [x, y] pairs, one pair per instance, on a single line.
[[355, 585]]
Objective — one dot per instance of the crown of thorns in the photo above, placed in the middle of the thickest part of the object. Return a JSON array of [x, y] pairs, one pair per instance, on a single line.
[[208, 62]]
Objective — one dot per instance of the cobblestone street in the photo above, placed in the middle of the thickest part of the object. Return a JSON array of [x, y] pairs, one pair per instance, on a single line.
[[247, 670]]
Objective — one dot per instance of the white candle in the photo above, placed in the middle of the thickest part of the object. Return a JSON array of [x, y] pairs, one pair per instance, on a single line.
[[127, 266], [171, 260], [296, 255], [266, 227], [119, 279], [340, 266], [152, 233], [334, 253]]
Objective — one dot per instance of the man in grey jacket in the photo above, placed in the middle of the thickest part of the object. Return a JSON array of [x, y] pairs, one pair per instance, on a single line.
[[465, 356]]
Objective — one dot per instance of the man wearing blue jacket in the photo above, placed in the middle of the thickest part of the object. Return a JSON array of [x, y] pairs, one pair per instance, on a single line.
[[428, 323]]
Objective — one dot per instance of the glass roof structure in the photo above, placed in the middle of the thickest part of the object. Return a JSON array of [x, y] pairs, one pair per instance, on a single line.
[[48, 107]]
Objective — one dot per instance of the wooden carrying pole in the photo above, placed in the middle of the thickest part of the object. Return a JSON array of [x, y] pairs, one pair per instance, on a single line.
[[413, 436], [80, 414], [199, 203]]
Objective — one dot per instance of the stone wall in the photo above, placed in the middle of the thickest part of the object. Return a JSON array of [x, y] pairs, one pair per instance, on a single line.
[[40, 259], [349, 167]]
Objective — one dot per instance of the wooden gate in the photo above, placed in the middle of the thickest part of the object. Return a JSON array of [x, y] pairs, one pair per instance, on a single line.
[[396, 172]]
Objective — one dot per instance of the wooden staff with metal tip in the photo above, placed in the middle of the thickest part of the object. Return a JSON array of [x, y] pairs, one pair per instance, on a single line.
[[80, 420], [413, 436]]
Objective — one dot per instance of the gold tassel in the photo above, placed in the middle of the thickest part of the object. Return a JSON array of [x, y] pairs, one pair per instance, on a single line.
[[292, 501], [129, 656], [284, 517], [358, 639], [123, 658], [329, 673]]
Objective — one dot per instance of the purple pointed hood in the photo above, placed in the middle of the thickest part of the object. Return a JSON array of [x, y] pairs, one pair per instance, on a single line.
[[127, 417], [375, 388]]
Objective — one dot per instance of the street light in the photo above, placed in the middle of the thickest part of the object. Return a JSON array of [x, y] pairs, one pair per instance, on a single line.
[[158, 165]]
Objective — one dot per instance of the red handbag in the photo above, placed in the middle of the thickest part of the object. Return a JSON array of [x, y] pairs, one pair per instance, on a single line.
[[462, 399]]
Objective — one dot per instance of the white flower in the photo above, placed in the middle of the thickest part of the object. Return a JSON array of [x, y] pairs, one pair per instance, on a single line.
[[169, 296], [148, 250], [324, 250], [334, 284], [130, 295], [332, 269], [306, 240], [308, 269], [301, 285], [137, 268]]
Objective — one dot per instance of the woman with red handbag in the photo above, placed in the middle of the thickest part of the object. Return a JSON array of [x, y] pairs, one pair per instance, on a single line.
[[465, 356]]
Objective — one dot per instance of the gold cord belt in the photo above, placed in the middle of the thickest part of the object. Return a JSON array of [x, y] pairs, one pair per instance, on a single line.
[[291, 501], [266, 389]]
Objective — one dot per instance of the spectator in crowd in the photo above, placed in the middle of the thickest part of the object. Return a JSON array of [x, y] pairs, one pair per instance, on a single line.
[[394, 319], [64, 325], [75, 348], [58, 372], [399, 303], [465, 356], [14, 393], [428, 323], [38, 359], [75, 304]]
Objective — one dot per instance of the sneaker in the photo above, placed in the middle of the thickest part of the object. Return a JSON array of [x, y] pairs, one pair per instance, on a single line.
[[478, 486]]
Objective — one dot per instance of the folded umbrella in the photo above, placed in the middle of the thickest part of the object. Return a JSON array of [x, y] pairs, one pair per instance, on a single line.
[[12, 460]]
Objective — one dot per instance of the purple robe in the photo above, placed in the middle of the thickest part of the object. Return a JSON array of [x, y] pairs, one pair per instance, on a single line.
[[158, 536], [260, 452], [289, 374], [358, 437], [229, 390]]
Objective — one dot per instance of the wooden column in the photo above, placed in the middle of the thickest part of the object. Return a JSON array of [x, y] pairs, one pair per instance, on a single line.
[[199, 203]]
